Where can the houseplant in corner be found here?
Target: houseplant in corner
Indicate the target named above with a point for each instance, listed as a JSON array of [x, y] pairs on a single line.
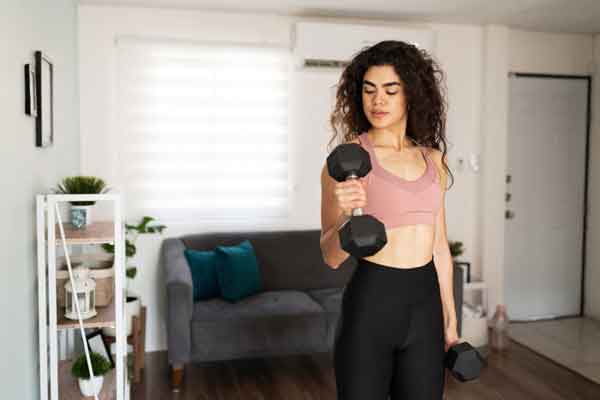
[[132, 232], [79, 369], [81, 210], [456, 248]]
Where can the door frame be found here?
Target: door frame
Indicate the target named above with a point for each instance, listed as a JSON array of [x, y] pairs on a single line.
[[587, 78]]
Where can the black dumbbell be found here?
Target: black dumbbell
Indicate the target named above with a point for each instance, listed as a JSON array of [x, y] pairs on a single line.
[[361, 235], [463, 361]]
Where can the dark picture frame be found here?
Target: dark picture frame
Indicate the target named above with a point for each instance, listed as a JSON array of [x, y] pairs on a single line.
[[30, 91], [97, 343], [44, 88], [466, 267]]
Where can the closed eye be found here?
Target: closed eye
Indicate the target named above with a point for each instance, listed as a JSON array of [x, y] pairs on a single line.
[[372, 91]]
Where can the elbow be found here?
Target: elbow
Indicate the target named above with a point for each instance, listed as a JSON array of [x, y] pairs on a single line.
[[327, 260]]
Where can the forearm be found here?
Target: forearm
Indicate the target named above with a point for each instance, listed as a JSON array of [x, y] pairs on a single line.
[[445, 268], [331, 249]]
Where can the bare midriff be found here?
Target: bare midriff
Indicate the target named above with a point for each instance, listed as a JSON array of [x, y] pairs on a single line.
[[407, 246]]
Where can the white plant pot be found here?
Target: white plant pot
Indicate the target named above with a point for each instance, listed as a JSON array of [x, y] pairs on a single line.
[[131, 308], [92, 386]]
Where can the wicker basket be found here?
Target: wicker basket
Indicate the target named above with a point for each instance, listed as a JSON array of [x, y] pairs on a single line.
[[101, 270]]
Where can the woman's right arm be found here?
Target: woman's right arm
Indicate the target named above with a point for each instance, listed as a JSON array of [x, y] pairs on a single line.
[[338, 200], [332, 217]]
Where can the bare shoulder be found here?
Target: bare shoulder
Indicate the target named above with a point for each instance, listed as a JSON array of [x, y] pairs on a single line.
[[436, 156]]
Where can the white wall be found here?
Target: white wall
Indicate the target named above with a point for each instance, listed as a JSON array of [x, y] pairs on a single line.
[[468, 120], [25, 170], [551, 53], [592, 265]]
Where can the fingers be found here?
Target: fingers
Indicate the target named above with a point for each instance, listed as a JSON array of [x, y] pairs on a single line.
[[350, 194]]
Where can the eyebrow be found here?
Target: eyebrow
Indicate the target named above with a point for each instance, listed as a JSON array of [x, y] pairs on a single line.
[[366, 82]]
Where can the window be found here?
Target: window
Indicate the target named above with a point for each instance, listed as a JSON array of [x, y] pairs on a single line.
[[203, 130]]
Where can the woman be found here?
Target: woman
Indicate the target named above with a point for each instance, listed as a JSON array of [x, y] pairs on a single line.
[[398, 317]]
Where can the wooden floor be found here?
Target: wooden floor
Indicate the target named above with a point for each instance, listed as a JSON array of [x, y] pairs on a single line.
[[519, 374]]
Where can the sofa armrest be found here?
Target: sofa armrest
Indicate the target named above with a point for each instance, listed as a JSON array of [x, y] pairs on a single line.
[[180, 303]]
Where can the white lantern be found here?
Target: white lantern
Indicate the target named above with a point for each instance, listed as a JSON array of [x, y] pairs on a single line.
[[84, 294]]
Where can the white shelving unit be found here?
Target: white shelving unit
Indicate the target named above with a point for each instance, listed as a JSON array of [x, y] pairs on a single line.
[[474, 330], [56, 381]]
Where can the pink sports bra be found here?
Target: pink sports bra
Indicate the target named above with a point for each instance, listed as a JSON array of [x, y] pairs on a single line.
[[396, 201]]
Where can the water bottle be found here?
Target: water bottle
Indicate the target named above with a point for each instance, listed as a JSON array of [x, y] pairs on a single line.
[[499, 323]]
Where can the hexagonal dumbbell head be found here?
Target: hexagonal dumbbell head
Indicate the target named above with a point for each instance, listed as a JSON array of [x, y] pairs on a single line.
[[464, 362], [362, 236], [348, 158]]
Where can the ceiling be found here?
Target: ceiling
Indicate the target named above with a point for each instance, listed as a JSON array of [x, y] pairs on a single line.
[[566, 16]]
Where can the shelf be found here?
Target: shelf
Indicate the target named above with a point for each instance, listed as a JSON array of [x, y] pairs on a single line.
[[474, 286], [104, 318], [69, 386], [95, 233], [99, 259], [55, 374]]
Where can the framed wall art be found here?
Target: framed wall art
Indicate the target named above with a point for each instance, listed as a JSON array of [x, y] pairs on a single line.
[[30, 93], [44, 90]]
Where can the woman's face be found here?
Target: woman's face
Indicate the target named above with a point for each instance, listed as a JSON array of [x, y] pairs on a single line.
[[383, 98]]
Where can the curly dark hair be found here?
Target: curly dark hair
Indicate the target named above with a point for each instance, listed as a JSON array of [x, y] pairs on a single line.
[[422, 80]]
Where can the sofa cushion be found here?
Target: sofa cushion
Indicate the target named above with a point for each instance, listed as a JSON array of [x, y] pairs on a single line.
[[330, 298], [266, 323], [331, 301], [263, 304], [237, 271], [203, 266]]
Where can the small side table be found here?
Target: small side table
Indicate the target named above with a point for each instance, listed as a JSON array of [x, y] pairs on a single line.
[[137, 339]]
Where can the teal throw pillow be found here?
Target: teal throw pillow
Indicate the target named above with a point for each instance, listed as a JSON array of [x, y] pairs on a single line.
[[203, 265], [237, 271]]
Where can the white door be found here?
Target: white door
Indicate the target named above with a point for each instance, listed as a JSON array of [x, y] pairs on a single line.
[[545, 189]]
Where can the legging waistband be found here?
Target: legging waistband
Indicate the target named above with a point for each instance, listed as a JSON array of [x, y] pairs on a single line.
[[411, 270], [407, 284]]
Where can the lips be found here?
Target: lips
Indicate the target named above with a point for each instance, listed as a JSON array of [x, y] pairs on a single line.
[[379, 113]]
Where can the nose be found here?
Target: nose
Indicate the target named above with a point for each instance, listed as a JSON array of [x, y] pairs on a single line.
[[379, 98]]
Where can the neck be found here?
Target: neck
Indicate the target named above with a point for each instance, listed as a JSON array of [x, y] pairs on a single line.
[[391, 137]]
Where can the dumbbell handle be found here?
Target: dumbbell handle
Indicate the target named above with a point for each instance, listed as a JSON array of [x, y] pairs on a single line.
[[357, 210]]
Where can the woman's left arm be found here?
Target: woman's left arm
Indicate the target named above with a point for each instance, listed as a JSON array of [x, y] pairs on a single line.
[[443, 260]]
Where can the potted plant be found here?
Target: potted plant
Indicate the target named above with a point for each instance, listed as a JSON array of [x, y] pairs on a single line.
[[133, 302], [81, 210], [100, 366], [456, 248]]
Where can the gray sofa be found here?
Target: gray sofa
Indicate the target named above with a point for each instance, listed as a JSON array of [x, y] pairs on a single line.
[[295, 313]]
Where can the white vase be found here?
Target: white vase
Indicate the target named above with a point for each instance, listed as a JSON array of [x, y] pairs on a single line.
[[131, 308], [92, 386]]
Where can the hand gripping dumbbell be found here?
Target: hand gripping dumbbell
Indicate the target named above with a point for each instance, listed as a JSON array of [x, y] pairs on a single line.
[[361, 235], [463, 361]]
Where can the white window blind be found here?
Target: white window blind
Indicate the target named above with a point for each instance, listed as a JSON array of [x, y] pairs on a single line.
[[204, 129]]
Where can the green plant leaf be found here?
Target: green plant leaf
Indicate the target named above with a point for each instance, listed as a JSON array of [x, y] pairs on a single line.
[[131, 272], [82, 184], [100, 366], [108, 247]]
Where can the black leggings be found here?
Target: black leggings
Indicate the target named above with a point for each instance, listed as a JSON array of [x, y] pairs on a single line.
[[390, 338]]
